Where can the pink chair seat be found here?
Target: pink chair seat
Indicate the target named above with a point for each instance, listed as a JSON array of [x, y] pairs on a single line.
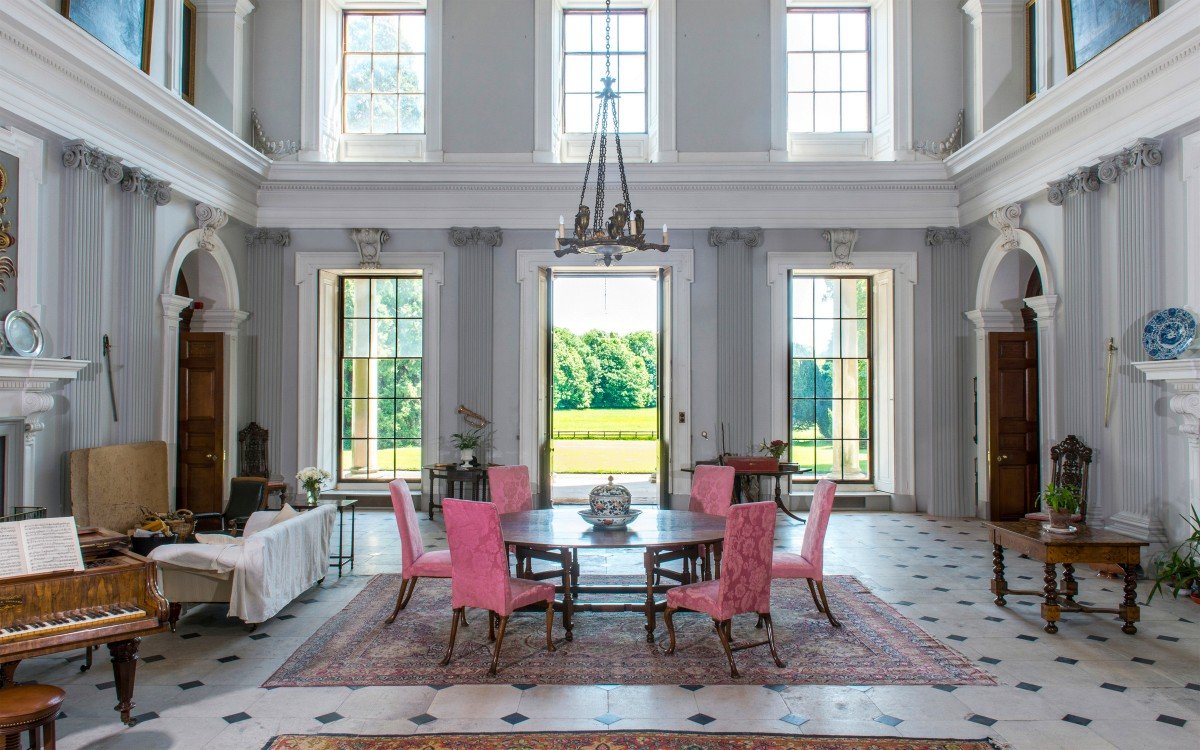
[[434, 564], [700, 597], [526, 592], [791, 565]]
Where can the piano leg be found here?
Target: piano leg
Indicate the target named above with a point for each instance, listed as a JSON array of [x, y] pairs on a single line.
[[7, 671], [124, 661]]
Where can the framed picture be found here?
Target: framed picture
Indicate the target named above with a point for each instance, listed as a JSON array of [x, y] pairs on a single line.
[[1093, 26], [187, 65], [1031, 51], [121, 25]]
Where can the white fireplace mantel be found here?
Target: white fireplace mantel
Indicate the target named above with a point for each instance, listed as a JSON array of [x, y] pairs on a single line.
[[26, 386], [1183, 375]]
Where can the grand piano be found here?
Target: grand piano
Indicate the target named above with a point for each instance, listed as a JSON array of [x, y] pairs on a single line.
[[114, 601]]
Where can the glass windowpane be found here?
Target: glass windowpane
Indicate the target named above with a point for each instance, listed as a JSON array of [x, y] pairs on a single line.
[[827, 71], [412, 32], [800, 71], [853, 27], [828, 51], [828, 108], [825, 31], [386, 33], [799, 31], [411, 75], [358, 33], [383, 113], [854, 113], [412, 113]]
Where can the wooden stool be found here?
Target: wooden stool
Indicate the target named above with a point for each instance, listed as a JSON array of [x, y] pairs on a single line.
[[29, 708]]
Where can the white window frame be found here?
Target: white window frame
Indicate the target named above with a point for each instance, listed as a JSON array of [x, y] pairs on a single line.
[[321, 136], [893, 283], [890, 137], [657, 144]]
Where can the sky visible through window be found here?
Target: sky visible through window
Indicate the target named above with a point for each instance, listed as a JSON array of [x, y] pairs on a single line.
[[619, 304]]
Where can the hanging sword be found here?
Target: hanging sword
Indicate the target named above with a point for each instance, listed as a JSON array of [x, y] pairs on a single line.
[[112, 386], [1108, 370]]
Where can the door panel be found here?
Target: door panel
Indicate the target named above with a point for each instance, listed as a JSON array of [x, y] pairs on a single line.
[[1013, 446], [200, 463], [666, 411]]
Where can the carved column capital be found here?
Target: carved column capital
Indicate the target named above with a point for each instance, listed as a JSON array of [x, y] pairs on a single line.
[[749, 236], [370, 244], [463, 236], [209, 219], [1145, 152], [80, 154], [1082, 180], [841, 244], [267, 236], [141, 182], [938, 236], [1187, 405]]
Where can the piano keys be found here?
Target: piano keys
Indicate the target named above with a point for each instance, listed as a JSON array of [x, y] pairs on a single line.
[[114, 601]]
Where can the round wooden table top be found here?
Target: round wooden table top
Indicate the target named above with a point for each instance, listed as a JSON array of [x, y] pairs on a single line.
[[563, 527]]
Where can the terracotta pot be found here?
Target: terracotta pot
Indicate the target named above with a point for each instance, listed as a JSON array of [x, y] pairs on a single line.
[[1059, 520]]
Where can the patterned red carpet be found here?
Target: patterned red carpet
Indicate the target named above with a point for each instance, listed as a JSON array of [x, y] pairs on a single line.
[[876, 645], [632, 740]]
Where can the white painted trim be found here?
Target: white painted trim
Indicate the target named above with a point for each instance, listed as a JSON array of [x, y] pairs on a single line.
[[530, 268], [985, 322], [227, 317], [228, 322], [31, 154], [995, 256], [1045, 309], [899, 360], [316, 416]]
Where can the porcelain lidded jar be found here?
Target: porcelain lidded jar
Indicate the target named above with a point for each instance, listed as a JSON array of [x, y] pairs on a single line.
[[610, 499]]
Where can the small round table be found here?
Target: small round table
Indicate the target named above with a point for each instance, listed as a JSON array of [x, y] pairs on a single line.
[[562, 529]]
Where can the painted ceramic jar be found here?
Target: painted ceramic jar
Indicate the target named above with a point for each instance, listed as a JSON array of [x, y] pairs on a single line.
[[610, 499]]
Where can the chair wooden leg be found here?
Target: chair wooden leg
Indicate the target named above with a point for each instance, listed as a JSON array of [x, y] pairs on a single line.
[[412, 586], [453, 634], [813, 590], [550, 626], [491, 626], [758, 625], [499, 643], [825, 604], [400, 601], [723, 631], [668, 616], [766, 617]]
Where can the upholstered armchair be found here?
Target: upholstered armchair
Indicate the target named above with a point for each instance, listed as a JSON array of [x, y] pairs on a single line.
[[246, 495]]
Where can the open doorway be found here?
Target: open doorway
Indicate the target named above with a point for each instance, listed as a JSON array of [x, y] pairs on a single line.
[[605, 390]]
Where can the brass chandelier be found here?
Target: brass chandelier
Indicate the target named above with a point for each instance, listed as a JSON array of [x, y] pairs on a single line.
[[624, 231]]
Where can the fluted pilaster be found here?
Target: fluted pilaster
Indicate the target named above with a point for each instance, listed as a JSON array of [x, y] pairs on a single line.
[[475, 275], [953, 347], [735, 332], [265, 329], [1139, 251]]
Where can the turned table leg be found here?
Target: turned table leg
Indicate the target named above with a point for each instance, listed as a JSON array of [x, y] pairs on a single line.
[[1129, 610], [1050, 608], [999, 585], [1069, 587], [648, 561], [569, 582]]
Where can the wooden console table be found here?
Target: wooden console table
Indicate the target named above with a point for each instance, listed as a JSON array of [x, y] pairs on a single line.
[[1085, 546]]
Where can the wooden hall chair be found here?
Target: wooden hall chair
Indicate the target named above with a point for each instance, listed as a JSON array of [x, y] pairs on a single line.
[[1071, 462]]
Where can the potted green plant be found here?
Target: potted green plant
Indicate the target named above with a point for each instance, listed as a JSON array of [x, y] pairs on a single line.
[[1061, 501], [1179, 566], [468, 444]]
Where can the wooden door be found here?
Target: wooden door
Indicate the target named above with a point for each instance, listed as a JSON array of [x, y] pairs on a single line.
[[200, 464], [1013, 450]]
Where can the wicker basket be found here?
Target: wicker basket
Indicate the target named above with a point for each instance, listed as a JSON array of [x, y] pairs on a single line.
[[180, 522]]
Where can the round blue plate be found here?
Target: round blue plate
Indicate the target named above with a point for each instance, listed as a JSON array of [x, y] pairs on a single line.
[[1169, 333]]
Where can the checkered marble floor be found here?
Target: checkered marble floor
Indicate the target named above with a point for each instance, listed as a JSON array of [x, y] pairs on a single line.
[[1089, 687]]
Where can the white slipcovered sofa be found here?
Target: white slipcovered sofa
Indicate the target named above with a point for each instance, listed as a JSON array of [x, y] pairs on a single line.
[[271, 566]]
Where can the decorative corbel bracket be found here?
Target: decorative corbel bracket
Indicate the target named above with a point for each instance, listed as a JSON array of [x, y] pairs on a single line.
[[370, 244], [209, 219], [748, 236], [841, 245], [1007, 220], [463, 236]]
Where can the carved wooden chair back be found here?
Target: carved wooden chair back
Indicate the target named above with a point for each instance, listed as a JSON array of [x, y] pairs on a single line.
[[1072, 459], [252, 451]]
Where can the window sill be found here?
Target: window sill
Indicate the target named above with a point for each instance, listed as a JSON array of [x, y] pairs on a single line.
[[573, 148], [376, 148], [827, 146]]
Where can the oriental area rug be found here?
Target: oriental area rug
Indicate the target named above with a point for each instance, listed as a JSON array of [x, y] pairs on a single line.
[[876, 645], [630, 740]]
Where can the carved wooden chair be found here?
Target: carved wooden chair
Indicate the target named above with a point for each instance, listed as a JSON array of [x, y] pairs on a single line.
[[1072, 460], [252, 459]]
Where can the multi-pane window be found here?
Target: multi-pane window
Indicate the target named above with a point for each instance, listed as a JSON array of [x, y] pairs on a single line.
[[383, 72], [828, 70], [830, 377], [380, 384], [583, 67]]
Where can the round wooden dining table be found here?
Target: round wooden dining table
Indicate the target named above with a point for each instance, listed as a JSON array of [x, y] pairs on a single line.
[[564, 531]]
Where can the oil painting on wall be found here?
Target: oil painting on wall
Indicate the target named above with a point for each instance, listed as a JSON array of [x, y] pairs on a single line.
[[9, 166], [1093, 26], [122, 25]]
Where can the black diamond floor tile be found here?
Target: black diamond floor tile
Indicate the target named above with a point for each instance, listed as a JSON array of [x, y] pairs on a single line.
[[1029, 686], [187, 636], [105, 685], [1168, 638], [981, 719], [514, 718], [927, 618], [1066, 660], [693, 688], [151, 716], [440, 686], [1112, 687], [259, 636], [1025, 637], [1172, 720], [153, 658], [1142, 660], [524, 686], [701, 719], [286, 617], [422, 719], [946, 688], [1072, 718], [989, 660], [608, 719], [776, 688], [795, 720], [190, 684], [329, 718], [235, 718], [891, 721], [227, 659], [957, 637]]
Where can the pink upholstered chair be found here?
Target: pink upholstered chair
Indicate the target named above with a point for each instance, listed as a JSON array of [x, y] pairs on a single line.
[[416, 562], [480, 574], [510, 488], [744, 585], [809, 564], [712, 493]]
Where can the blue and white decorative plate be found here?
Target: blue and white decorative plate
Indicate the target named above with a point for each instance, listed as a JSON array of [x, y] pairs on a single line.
[[1169, 333]]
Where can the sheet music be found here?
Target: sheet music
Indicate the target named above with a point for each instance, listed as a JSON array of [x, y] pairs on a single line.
[[52, 544], [11, 560]]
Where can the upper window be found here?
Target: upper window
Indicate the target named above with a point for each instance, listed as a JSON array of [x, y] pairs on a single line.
[[828, 70], [383, 72], [583, 48], [830, 376], [379, 386]]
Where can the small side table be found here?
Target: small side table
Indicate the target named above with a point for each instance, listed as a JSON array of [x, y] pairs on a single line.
[[341, 559], [1085, 546], [455, 480]]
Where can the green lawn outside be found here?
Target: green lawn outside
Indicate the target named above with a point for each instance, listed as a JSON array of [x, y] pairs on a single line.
[[605, 419], [605, 456], [407, 459]]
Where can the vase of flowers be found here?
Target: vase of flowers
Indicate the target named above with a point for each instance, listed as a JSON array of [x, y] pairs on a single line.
[[1061, 501], [312, 480]]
